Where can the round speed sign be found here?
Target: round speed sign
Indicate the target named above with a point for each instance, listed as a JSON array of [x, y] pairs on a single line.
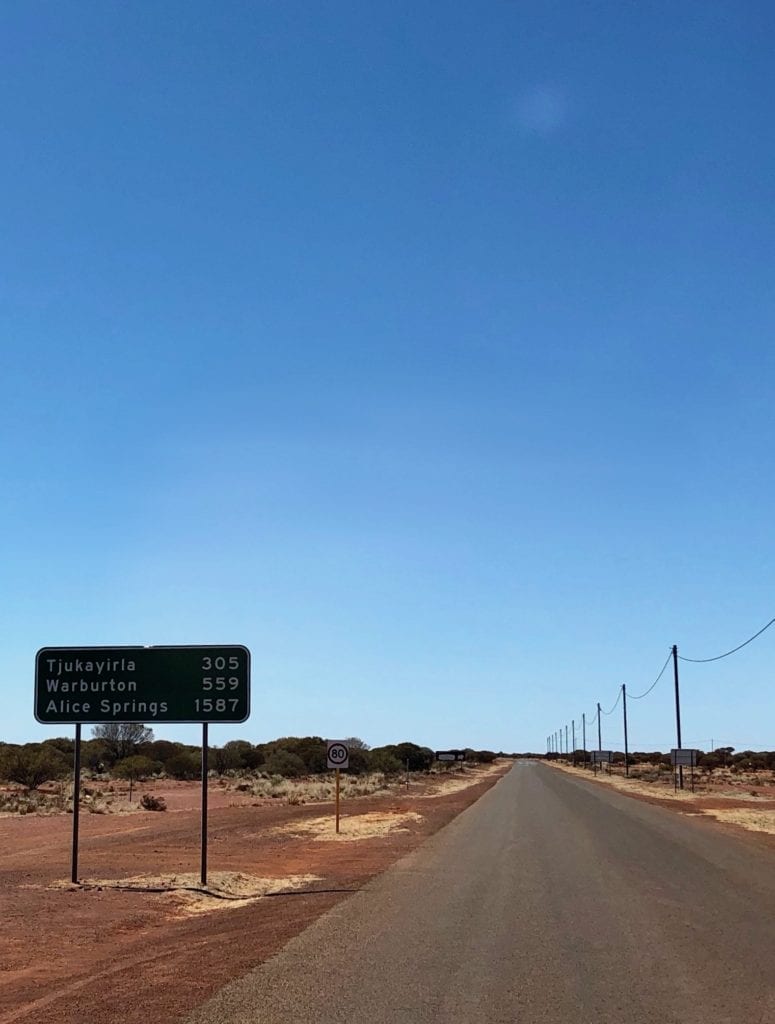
[[338, 756]]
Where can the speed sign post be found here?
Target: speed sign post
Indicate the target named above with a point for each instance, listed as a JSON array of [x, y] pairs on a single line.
[[337, 757], [103, 685]]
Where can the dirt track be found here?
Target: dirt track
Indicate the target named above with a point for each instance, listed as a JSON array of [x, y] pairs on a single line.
[[99, 954]]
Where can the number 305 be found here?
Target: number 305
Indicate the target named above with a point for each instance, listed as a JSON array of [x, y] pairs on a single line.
[[220, 663]]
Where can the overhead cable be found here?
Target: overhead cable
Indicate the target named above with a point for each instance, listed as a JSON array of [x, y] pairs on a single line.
[[640, 696], [726, 654], [615, 703]]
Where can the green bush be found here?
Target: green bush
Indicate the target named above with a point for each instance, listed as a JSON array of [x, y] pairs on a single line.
[[183, 766], [136, 767], [283, 762], [33, 764], [385, 762], [485, 756]]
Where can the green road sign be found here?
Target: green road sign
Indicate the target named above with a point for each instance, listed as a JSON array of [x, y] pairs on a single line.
[[142, 684]]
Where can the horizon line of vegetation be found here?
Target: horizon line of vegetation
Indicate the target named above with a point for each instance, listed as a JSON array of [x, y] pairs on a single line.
[[130, 751]]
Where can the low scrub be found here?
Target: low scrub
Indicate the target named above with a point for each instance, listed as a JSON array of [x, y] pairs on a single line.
[[310, 790]]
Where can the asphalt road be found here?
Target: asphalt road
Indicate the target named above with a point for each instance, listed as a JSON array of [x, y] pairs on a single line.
[[549, 900]]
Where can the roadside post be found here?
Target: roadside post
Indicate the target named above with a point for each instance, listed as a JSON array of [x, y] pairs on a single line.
[[203, 851], [602, 757], [337, 757], [104, 685], [573, 727], [626, 742], [599, 727], [584, 735], [680, 758], [76, 803], [677, 713]]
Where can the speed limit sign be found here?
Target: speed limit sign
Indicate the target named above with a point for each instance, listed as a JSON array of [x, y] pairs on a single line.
[[337, 754]]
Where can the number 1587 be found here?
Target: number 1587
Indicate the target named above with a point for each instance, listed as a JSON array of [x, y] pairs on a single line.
[[216, 704]]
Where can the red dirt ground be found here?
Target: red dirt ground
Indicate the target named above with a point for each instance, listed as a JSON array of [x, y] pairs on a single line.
[[100, 955]]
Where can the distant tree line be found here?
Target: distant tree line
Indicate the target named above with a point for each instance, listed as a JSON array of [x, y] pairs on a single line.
[[721, 757], [129, 751]]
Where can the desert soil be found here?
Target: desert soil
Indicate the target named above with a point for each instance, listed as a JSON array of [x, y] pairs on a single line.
[[139, 942]]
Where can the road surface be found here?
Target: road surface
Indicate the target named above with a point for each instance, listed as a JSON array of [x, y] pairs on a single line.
[[552, 899]]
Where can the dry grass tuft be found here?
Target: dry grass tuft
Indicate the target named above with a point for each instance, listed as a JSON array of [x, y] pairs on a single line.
[[311, 790], [225, 890], [754, 821], [351, 827]]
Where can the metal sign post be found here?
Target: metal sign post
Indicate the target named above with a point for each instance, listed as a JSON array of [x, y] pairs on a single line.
[[76, 802], [337, 757], [602, 757], [680, 758], [203, 858]]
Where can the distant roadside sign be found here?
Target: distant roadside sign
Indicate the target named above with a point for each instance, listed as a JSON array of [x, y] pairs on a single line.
[[450, 755], [683, 757], [142, 684], [601, 756], [337, 754]]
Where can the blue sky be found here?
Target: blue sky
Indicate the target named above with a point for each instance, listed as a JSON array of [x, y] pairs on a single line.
[[426, 349]]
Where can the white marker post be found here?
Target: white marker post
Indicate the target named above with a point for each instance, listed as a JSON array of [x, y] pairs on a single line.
[[337, 757]]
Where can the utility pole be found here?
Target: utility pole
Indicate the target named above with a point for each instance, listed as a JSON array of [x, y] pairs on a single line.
[[626, 748], [566, 741], [677, 713], [573, 728], [584, 735], [599, 734]]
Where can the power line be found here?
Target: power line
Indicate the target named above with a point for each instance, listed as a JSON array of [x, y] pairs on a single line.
[[616, 702], [640, 696], [718, 657]]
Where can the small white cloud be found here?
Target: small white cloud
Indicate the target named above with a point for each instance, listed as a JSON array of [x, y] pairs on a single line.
[[541, 110]]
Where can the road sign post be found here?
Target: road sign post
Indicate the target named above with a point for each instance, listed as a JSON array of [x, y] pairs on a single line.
[[104, 685], [76, 803], [203, 854], [601, 757], [680, 758], [337, 757]]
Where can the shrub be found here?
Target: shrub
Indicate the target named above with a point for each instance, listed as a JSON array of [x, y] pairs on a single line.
[[485, 756], [136, 767], [183, 766], [33, 764], [385, 762], [283, 762]]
